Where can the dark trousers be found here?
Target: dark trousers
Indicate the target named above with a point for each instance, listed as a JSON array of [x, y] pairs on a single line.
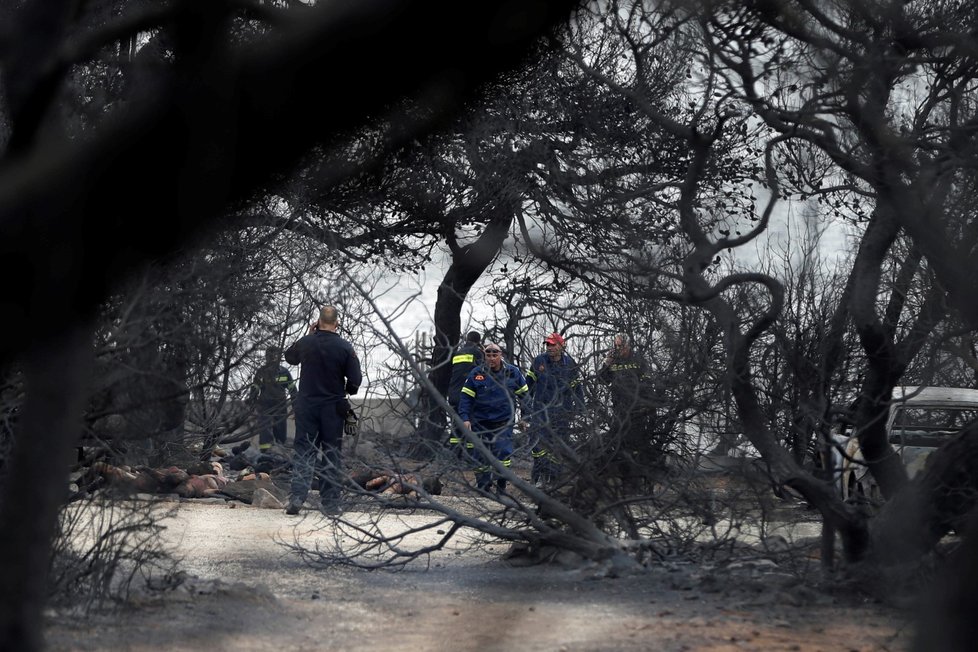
[[456, 439], [640, 450], [272, 425], [550, 428], [498, 437], [317, 450]]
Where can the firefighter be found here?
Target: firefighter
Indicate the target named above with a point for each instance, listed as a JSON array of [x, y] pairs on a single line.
[[633, 401], [466, 357], [556, 395], [270, 390], [491, 394]]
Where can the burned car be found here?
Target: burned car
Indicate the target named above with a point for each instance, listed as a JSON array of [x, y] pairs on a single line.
[[919, 421]]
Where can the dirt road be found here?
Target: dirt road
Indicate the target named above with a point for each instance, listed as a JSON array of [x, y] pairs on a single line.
[[245, 591]]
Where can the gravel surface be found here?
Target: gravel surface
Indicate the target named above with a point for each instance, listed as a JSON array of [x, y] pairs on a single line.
[[246, 589]]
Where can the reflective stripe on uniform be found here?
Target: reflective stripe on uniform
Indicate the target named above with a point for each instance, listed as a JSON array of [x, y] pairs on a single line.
[[522, 390], [486, 468], [530, 374], [544, 453], [464, 357], [469, 391], [623, 366]]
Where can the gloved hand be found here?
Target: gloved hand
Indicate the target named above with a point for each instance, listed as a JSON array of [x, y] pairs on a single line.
[[351, 423]]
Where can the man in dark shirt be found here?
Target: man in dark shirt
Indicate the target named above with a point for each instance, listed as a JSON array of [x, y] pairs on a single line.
[[329, 371]]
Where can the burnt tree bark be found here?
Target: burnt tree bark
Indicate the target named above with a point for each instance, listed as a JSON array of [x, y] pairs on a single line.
[[469, 262], [57, 378], [946, 618], [887, 356]]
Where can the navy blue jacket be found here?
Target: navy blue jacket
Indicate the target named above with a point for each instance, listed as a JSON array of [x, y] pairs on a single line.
[[489, 396], [330, 367], [555, 385]]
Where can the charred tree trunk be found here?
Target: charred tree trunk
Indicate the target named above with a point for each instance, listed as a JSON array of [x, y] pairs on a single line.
[[883, 371], [44, 446], [468, 264], [947, 619], [886, 358], [783, 469], [738, 340]]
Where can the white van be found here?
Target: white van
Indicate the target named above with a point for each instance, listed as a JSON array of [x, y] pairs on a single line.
[[919, 421]]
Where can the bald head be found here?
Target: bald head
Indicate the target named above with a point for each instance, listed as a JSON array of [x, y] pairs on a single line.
[[329, 315], [329, 318]]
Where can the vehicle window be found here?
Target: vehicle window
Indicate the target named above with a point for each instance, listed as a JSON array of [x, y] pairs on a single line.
[[932, 419]]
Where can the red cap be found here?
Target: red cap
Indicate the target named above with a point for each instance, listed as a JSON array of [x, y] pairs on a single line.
[[554, 338]]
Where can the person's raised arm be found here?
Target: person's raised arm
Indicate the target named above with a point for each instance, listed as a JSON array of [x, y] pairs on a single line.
[[293, 354]]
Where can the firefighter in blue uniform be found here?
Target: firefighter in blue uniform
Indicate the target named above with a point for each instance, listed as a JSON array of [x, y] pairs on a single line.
[[556, 395], [491, 394], [270, 390], [466, 357]]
